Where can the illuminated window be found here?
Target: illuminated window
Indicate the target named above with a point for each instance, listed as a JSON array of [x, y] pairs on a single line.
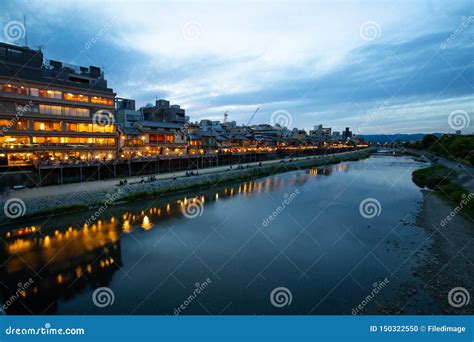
[[103, 128], [20, 125], [51, 110], [15, 89], [47, 126], [59, 110], [102, 100], [16, 141], [75, 97], [51, 94]]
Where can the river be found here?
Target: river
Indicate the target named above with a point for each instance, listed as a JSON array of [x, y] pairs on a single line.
[[313, 241]]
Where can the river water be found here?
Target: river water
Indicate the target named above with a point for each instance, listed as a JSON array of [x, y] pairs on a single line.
[[293, 243]]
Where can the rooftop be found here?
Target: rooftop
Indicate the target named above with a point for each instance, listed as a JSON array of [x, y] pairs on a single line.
[[28, 64]]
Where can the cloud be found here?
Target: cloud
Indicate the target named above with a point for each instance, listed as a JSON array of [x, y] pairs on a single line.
[[305, 57]]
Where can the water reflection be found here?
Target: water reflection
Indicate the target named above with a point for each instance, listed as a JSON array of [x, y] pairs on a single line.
[[65, 260]]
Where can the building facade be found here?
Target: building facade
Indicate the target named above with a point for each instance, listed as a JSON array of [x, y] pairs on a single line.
[[164, 112], [147, 135], [51, 112]]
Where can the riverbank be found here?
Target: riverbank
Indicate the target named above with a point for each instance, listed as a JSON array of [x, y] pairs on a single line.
[[444, 182], [445, 258], [75, 197], [443, 261], [450, 255]]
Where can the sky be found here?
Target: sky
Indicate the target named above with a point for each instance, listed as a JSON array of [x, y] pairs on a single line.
[[379, 67]]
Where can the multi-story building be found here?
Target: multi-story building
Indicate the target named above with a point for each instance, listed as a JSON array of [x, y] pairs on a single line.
[[51, 112], [147, 135], [320, 133], [164, 112], [347, 134]]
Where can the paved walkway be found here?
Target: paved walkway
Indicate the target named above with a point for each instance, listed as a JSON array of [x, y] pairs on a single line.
[[465, 173], [67, 189]]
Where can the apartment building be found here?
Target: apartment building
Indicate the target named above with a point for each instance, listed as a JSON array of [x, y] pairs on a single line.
[[52, 112]]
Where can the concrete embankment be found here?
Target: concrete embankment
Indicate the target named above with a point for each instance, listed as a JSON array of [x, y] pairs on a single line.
[[73, 197]]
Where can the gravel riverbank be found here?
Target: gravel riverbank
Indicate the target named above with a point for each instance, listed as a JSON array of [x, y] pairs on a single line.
[[450, 260]]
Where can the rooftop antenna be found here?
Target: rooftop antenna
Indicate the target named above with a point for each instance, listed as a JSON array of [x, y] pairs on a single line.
[[24, 24]]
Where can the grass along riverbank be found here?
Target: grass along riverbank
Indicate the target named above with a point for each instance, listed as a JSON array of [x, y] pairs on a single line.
[[440, 179], [56, 205]]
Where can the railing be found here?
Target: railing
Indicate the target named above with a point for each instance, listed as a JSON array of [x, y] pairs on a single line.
[[74, 68]]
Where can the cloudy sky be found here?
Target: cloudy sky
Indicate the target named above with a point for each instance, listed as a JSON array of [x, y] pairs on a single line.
[[378, 67]]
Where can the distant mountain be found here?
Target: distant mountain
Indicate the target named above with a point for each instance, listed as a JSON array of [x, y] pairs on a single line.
[[386, 138]]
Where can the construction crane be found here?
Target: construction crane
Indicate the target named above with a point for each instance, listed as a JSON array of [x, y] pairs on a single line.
[[226, 114], [253, 115]]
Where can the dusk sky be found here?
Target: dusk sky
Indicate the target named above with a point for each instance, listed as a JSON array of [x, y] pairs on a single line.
[[399, 67]]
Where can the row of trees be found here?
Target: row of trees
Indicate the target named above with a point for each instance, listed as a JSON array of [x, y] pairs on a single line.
[[460, 147]]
